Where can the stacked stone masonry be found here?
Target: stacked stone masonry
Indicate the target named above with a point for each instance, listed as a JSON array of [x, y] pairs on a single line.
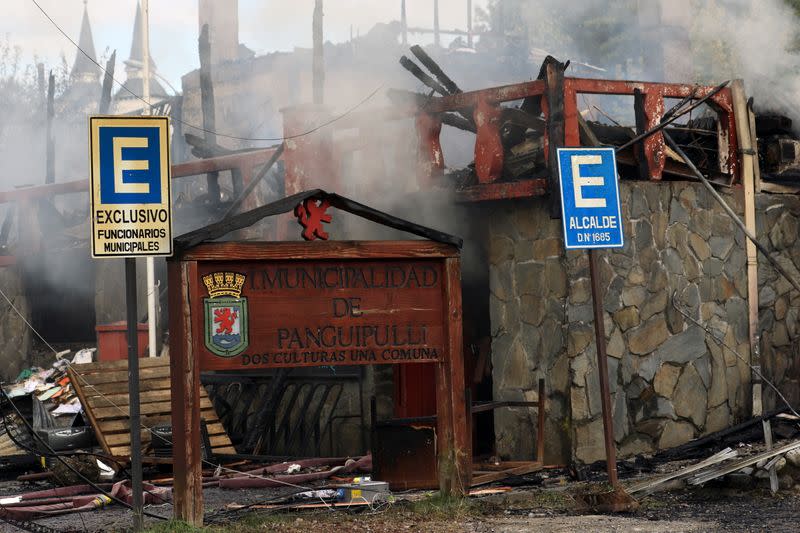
[[669, 380]]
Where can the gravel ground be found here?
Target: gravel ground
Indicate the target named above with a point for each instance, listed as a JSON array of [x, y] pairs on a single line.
[[522, 510], [710, 509]]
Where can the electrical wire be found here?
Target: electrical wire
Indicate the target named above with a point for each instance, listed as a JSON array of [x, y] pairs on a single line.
[[73, 453], [65, 463], [722, 343], [189, 125], [88, 385]]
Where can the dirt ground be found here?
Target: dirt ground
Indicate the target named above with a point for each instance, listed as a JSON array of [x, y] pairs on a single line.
[[523, 510]]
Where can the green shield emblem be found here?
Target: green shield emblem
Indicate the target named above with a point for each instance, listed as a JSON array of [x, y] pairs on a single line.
[[226, 325]]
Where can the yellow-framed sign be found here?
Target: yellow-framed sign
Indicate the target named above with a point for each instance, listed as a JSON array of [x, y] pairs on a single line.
[[131, 207]]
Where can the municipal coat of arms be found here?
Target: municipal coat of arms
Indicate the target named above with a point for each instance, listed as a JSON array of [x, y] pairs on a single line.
[[225, 314]]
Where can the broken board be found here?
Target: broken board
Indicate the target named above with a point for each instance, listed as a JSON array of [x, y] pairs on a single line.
[[103, 390]]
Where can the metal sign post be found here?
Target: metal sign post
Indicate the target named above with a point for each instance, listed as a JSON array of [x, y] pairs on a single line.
[[133, 392], [592, 219], [131, 213]]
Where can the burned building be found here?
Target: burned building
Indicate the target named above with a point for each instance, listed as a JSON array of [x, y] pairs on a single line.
[[527, 300]]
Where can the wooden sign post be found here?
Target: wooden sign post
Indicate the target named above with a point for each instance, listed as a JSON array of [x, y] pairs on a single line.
[[250, 306]]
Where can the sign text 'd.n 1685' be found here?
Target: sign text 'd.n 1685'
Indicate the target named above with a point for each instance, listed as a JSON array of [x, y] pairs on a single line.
[[130, 186], [590, 198]]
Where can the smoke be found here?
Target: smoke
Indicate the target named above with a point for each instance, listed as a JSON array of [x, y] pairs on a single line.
[[681, 41]]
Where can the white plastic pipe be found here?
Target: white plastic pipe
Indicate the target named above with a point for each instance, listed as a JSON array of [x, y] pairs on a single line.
[[151, 273]]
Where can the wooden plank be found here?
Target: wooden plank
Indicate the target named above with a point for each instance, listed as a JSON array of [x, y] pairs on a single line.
[[122, 376], [533, 466], [111, 388], [738, 465], [107, 407], [117, 426], [150, 398], [79, 390], [254, 251], [227, 449], [146, 409], [650, 485], [87, 369]]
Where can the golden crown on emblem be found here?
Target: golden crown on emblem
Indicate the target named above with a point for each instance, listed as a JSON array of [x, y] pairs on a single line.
[[224, 284]]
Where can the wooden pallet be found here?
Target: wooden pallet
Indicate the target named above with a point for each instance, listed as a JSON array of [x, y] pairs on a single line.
[[103, 390]]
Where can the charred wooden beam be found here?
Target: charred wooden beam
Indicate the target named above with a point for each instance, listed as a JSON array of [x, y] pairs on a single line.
[[108, 84], [255, 181], [50, 157], [428, 62], [207, 105], [422, 76], [554, 77], [451, 119], [525, 120]]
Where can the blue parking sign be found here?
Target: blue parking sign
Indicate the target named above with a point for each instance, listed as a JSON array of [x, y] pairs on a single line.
[[590, 204]]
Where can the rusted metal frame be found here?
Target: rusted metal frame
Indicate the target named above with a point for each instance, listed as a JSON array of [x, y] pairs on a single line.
[[185, 376]]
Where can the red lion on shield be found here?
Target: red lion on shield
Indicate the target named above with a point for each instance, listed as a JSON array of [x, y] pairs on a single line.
[[226, 318]]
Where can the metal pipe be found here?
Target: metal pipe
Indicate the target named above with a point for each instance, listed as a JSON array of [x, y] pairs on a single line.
[[133, 392], [150, 262], [602, 368]]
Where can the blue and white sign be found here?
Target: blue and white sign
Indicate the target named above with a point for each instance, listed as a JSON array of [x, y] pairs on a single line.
[[130, 186], [590, 198]]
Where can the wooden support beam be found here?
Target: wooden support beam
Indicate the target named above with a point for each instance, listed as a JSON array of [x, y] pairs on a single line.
[[207, 106], [108, 84], [50, 157]]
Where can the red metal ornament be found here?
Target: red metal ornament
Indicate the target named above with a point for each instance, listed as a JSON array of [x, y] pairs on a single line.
[[311, 214]]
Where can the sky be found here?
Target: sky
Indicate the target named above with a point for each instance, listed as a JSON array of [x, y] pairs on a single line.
[[264, 26]]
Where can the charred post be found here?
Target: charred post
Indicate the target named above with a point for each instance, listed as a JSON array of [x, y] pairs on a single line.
[[207, 105], [50, 158], [108, 84]]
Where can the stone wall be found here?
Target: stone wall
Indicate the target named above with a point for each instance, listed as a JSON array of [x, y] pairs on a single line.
[[670, 382], [778, 222]]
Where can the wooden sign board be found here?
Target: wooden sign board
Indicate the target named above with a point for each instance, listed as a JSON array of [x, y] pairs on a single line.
[[250, 306], [266, 314]]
